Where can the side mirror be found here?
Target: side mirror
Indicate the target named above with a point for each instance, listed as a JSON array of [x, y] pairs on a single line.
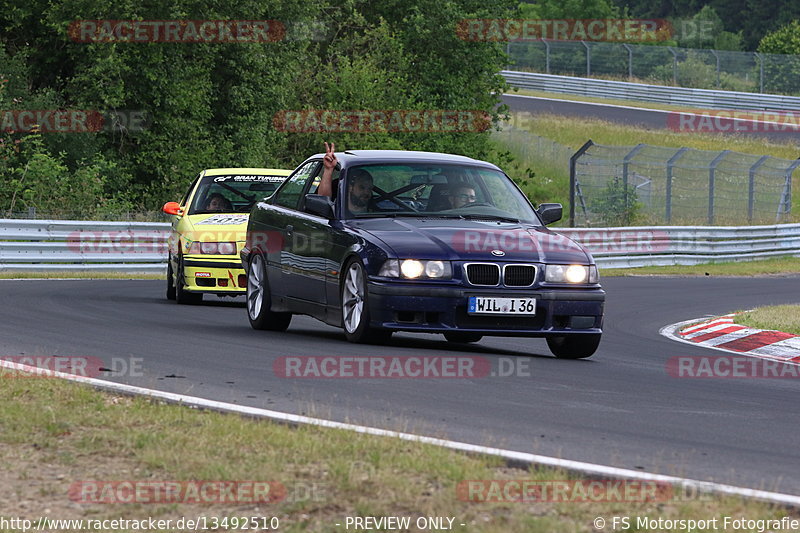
[[172, 208], [319, 204], [550, 213]]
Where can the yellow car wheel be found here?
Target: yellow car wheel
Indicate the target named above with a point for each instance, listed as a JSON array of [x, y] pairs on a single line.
[[182, 296]]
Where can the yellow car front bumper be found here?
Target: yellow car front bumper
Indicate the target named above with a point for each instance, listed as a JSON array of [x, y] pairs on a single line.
[[221, 274]]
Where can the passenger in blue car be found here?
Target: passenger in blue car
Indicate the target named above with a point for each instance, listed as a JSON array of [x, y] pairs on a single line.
[[461, 196]]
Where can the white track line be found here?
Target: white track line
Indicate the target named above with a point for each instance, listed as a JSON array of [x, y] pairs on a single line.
[[510, 455]]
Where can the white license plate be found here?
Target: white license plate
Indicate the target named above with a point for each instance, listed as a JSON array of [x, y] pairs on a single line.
[[485, 305]]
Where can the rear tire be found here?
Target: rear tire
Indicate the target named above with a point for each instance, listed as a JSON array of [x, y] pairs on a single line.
[[355, 307], [259, 299], [574, 346], [182, 296], [462, 336]]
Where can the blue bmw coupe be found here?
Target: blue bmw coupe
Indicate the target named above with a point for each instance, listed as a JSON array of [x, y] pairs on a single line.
[[421, 242]]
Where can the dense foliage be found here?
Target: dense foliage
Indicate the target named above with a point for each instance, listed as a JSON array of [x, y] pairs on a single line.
[[212, 104], [752, 19]]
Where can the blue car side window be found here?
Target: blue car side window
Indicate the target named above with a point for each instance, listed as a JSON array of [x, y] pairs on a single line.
[[292, 190]]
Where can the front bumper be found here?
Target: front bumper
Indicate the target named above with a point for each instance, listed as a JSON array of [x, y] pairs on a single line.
[[214, 275], [444, 309]]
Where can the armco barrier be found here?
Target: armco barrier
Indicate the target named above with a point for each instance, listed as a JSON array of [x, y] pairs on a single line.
[[629, 247], [60, 245], [680, 96], [86, 246]]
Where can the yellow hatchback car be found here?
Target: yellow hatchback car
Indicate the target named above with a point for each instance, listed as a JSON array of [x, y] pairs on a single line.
[[208, 231]]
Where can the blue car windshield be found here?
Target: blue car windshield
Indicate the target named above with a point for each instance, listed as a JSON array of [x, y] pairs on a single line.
[[425, 190]]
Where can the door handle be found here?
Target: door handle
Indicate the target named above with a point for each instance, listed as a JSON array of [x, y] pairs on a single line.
[[289, 230]]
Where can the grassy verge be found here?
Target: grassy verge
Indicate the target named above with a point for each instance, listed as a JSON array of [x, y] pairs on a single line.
[[784, 318], [776, 266], [56, 434], [574, 132], [596, 100]]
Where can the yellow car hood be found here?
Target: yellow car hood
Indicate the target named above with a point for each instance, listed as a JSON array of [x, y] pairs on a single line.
[[217, 227]]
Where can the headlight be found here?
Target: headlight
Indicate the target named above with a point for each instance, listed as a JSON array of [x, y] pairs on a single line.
[[573, 274], [416, 269], [213, 248]]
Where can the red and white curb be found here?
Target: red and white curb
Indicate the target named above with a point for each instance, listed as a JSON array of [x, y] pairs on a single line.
[[721, 333]]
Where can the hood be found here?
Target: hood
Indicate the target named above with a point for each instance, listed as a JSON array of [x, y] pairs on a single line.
[[472, 240], [217, 227]]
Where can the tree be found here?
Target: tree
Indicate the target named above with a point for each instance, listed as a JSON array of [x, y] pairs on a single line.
[[782, 72]]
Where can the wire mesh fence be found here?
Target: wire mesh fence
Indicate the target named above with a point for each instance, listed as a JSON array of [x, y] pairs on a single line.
[[665, 65], [644, 184], [533, 148]]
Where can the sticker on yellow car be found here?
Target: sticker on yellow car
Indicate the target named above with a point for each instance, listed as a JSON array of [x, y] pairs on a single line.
[[267, 179], [224, 220]]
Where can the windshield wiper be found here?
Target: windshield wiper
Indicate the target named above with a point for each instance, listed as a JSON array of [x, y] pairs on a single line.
[[392, 214], [474, 216]]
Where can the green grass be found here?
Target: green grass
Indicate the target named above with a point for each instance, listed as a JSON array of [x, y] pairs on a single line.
[[56, 433], [574, 132], [776, 266], [784, 318], [596, 100]]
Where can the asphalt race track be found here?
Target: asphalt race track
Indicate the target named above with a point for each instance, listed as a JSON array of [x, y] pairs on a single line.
[[619, 408]]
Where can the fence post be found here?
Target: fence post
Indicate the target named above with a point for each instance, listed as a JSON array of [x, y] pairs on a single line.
[[630, 60], [751, 187], [712, 169], [786, 198], [670, 164], [716, 56], [760, 72], [674, 65], [546, 55], [588, 59], [572, 161], [625, 161]]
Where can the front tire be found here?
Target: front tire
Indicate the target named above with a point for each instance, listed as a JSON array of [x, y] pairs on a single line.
[[355, 307], [574, 346], [259, 299], [170, 280], [182, 296]]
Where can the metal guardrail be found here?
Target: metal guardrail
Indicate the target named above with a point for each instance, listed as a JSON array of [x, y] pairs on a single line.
[[629, 247], [680, 96], [92, 246], [82, 246]]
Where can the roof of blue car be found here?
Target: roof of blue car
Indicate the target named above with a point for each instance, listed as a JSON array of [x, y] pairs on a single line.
[[351, 157]]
